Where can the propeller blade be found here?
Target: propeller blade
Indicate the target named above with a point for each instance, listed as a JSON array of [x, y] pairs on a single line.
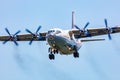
[[86, 25], [34, 35], [77, 27], [29, 31], [7, 31], [106, 24], [17, 33], [109, 36], [16, 43], [38, 29], [31, 41], [11, 37], [6, 41]]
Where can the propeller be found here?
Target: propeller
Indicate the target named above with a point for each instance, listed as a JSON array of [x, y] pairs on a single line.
[[84, 29], [107, 28], [12, 37], [34, 35], [86, 26]]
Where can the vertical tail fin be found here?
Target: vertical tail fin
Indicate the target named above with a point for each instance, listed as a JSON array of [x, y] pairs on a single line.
[[73, 22]]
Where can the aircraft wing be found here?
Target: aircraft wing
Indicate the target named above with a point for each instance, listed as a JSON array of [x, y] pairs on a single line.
[[94, 32], [24, 37]]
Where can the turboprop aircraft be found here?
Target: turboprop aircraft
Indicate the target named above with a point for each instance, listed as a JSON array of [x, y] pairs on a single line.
[[64, 42]]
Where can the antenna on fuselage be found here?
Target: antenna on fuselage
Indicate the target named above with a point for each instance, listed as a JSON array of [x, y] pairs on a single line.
[[73, 21]]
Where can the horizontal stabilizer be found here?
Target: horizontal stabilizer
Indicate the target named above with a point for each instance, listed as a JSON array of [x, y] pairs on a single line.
[[88, 40]]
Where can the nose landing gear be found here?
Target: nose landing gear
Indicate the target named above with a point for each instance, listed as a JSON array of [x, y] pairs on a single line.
[[51, 56], [52, 51]]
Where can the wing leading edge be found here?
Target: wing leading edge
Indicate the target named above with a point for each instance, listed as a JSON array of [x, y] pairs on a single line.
[[77, 33], [24, 37], [95, 32]]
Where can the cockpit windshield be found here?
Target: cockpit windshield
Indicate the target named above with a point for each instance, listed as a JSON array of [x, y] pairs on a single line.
[[55, 31], [51, 31]]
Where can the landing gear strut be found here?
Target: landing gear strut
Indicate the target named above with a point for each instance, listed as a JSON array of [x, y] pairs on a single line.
[[75, 54]]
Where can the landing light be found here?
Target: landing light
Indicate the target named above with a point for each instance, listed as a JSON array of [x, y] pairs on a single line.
[[70, 49], [53, 45]]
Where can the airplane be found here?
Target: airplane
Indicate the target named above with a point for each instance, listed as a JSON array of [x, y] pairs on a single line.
[[64, 42]]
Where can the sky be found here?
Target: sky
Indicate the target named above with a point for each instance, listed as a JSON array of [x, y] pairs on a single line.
[[98, 60]]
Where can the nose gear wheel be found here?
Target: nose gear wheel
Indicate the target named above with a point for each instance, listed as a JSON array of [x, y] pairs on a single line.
[[51, 56], [52, 52]]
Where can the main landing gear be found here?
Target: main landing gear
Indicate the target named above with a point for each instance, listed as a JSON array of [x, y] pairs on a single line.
[[75, 54], [52, 51]]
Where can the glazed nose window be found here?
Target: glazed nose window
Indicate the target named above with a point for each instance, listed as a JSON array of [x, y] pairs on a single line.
[[51, 37]]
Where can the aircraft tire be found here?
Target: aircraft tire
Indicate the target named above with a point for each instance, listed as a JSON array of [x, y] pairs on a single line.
[[51, 56], [76, 54]]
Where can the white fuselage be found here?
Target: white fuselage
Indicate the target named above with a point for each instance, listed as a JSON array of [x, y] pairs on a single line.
[[62, 42]]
